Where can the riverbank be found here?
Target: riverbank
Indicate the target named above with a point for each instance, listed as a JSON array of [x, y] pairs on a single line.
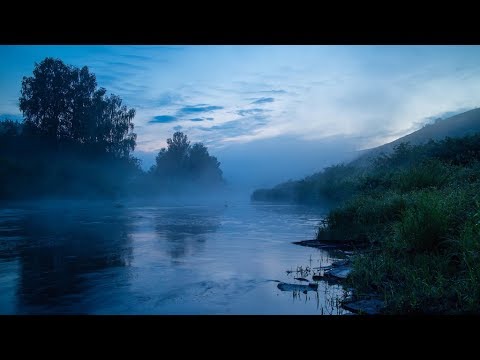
[[339, 272], [423, 248], [413, 221]]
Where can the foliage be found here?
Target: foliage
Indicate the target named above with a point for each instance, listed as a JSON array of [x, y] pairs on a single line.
[[182, 164], [74, 139], [62, 103], [417, 210]]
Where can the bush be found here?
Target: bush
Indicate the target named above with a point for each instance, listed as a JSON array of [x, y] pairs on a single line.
[[424, 224]]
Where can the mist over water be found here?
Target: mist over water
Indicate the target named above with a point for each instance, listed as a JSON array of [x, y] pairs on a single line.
[[138, 179], [131, 258]]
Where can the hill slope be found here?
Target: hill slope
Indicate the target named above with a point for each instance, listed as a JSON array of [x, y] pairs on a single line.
[[339, 181], [460, 125]]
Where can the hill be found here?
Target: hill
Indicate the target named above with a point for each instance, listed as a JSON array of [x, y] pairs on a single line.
[[459, 125], [338, 182]]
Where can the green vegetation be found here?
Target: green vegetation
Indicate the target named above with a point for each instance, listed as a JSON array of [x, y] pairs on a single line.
[[76, 140], [416, 213]]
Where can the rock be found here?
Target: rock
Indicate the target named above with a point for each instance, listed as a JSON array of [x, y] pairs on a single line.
[[365, 307], [297, 287], [340, 263], [317, 277], [313, 286], [323, 245], [339, 272], [332, 245], [301, 279]]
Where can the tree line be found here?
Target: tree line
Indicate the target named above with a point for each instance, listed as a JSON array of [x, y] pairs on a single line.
[[75, 138]]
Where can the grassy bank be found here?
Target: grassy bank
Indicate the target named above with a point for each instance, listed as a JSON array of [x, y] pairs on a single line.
[[418, 212]]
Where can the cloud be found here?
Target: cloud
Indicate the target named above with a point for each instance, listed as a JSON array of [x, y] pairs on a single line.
[[169, 98], [137, 57], [129, 66], [443, 115], [235, 128], [195, 109], [250, 111], [229, 125], [273, 92], [162, 119], [264, 100], [202, 119]]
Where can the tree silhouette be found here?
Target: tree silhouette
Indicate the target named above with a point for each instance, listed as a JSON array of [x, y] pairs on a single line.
[[74, 139], [202, 166], [62, 103], [182, 162]]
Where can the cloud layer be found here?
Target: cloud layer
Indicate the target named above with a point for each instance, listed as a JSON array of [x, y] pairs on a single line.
[[228, 96]]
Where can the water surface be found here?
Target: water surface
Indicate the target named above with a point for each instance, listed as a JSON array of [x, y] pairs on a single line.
[[138, 259]]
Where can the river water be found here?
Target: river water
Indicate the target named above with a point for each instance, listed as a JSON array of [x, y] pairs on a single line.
[[80, 258]]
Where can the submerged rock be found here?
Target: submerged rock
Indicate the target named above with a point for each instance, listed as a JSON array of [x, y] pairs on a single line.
[[365, 307], [340, 263], [324, 245], [339, 272], [297, 287]]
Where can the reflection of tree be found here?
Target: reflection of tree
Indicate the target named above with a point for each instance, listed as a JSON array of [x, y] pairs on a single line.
[[59, 248], [185, 229]]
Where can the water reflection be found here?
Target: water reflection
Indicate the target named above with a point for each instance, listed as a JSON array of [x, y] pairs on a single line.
[[159, 260], [186, 229], [57, 248], [307, 283]]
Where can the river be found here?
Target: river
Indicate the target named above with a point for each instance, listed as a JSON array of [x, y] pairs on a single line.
[[98, 258]]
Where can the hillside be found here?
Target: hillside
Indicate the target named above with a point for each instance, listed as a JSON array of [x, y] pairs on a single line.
[[463, 124], [338, 182]]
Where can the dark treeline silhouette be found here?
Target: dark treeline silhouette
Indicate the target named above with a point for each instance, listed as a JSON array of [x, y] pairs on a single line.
[[181, 166], [75, 140], [340, 182]]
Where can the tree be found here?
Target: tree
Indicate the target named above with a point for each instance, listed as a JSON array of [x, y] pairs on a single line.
[[10, 128], [202, 166], [178, 144], [177, 153], [62, 103], [183, 162]]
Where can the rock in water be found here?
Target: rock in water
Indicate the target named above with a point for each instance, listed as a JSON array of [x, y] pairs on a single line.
[[340, 272], [365, 307], [297, 287]]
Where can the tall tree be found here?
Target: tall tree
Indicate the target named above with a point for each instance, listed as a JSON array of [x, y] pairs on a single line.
[[62, 103]]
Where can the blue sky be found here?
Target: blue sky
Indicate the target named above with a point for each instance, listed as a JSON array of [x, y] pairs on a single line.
[[235, 99]]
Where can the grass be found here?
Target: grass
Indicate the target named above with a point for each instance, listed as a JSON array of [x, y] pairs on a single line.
[[418, 212]]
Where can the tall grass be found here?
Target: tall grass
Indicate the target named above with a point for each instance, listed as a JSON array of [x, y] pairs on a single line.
[[419, 211]]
